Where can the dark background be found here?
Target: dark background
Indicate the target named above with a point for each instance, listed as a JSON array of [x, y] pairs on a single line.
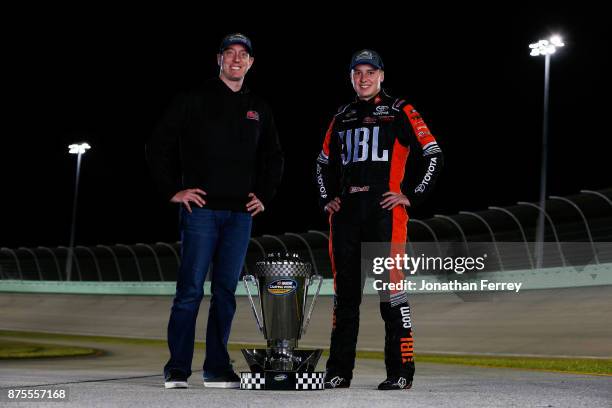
[[106, 78]]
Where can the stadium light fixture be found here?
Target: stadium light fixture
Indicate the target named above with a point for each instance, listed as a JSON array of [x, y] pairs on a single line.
[[545, 48], [79, 149]]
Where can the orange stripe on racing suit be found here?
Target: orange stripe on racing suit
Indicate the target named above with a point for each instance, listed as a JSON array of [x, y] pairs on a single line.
[[328, 137], [398, 165], [333, 264], [399, 231], [421, 131], [431, 152]]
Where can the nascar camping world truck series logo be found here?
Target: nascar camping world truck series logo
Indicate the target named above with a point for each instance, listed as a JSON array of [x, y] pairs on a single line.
[[281, 287]]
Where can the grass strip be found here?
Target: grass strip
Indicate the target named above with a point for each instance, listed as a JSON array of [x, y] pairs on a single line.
[[590, 366], [10, 350]]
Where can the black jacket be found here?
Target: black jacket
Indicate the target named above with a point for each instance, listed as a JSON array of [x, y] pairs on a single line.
[[220, 141]]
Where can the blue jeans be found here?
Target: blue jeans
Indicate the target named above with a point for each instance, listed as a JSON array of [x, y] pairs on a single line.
[[220, 238]]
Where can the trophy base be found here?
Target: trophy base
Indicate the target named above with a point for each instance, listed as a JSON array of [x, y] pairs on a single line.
[[269, 374], [282, 380]]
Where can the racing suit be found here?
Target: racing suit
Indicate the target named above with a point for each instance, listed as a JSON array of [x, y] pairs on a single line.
[[364, 155]]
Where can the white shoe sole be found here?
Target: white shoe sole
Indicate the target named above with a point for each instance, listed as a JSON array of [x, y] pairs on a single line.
[[176, 384], [216, 384]]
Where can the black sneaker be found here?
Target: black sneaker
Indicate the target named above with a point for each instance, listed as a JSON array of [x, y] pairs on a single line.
[[336, 382], [175, 380], [395, 383], [228, 380]]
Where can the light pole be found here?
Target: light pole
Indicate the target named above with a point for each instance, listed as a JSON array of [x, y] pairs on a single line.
[[545, 48], [79, 149]]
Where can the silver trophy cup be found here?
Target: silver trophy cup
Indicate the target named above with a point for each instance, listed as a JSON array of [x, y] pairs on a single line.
[[282, 283]]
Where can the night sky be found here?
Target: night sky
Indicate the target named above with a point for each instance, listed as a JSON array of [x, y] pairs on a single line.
[[107, 80]]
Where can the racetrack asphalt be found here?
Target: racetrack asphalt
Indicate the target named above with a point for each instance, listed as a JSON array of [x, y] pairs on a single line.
[[553, 322], [130, 375], [571, 322]]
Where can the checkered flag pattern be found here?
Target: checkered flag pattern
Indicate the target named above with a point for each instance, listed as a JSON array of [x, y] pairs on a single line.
[[252, 381], [309, 381], [281, 269]]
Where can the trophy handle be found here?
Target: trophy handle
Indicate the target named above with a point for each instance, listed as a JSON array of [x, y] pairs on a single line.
[[245, 280], [312, 303]]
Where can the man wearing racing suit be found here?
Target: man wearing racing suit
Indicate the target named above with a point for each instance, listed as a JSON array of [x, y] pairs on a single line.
[[359, 174]]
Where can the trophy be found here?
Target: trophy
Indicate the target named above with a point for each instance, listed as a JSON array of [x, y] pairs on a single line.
[[282, 282]]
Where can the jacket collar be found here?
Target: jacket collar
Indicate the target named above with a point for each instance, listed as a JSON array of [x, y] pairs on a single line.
[[217, 84]]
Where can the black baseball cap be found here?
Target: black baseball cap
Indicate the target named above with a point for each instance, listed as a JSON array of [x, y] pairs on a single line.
[[236, 38], [367, 57]]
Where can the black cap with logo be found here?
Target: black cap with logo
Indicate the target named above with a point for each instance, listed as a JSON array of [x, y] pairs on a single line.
[[367, 57], [236, 38]]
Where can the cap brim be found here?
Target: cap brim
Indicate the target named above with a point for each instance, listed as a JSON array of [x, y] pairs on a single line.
[[366, 62], [246, 46]]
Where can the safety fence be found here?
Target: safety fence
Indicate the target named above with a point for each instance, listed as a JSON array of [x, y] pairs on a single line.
[[577, 230]]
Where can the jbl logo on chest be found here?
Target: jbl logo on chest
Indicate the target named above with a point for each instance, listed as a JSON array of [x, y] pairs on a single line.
[[361, 144]]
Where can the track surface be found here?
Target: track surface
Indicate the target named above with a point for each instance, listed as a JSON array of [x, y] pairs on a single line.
[[572, 322], [534, 322], [130, 376]]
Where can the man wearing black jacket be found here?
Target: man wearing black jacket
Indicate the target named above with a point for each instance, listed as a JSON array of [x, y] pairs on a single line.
[[360, 173], [216, 153]]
